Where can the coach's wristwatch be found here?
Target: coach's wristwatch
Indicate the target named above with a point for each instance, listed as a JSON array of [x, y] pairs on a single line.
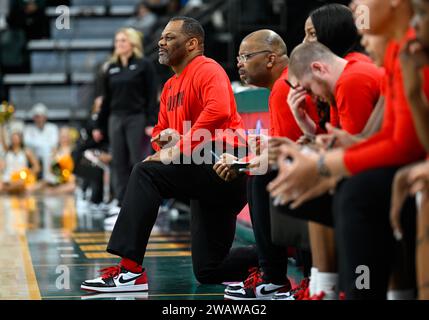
[[322, 168]]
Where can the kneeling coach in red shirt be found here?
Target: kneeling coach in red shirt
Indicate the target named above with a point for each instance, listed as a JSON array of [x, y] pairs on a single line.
[[198, 93]]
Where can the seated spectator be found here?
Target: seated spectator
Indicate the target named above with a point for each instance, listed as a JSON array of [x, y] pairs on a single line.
[[20, 165], [41, 137], [91, 171], [163, 7], [62, 179], [143, 20], [30, 16], [16, 58]]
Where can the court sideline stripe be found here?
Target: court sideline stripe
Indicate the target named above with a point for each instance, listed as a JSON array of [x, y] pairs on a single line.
[[33, 287]]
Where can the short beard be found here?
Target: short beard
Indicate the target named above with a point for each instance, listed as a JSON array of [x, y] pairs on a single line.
[[330, 98], [164, 60], [176, 55]]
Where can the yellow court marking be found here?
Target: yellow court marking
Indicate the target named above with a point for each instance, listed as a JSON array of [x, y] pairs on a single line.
[[150, 246], [101, 240], [90, 240], [107, 234], [90, 234], [167, 245], [94, 247], [105, 255], [33, 288], [17, 278]]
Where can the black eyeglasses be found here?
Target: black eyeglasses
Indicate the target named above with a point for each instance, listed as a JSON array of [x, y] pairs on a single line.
[[290, 84], [244, 57]]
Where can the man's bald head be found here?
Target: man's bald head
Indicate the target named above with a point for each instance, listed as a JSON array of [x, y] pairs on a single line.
[[267, 39], [305, 54], [262, 58]]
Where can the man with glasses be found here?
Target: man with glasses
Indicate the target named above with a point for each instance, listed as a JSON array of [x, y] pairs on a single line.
[[242, 58], [268, 68], [199, 92], [263, 62]]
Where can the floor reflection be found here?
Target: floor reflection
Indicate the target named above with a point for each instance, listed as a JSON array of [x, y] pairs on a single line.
[[62, 242]]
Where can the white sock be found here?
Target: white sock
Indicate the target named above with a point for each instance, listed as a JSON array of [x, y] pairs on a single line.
[[328, 283], [419, 197], [406, 294], [313, 280]]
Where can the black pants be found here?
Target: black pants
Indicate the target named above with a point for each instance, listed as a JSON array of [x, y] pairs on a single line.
[[359, 212], [272, 258], [214, 207], [125, 136]]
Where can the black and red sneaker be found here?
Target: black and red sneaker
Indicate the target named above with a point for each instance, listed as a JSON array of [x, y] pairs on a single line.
[[117, 279], [255, 288]]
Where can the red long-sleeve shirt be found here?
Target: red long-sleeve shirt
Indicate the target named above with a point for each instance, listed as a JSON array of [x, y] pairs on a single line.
[[397, 142], [201, 94], [282, 120], [356, 93]]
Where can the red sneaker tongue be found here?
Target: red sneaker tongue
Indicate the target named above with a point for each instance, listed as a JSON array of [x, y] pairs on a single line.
[[110, 272]]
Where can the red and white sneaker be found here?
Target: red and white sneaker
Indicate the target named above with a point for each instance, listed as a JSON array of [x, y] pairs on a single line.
[[117, 279], [255, 288]]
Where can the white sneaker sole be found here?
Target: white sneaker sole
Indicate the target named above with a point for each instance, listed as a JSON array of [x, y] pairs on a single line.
[[138, 287], [282, 299], [228, 297], [227, 291], [117, 296]]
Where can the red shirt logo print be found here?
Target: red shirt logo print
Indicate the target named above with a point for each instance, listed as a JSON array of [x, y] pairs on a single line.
[[175, 101]]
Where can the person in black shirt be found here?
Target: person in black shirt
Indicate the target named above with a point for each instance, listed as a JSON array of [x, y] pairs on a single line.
[[129, 108]]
